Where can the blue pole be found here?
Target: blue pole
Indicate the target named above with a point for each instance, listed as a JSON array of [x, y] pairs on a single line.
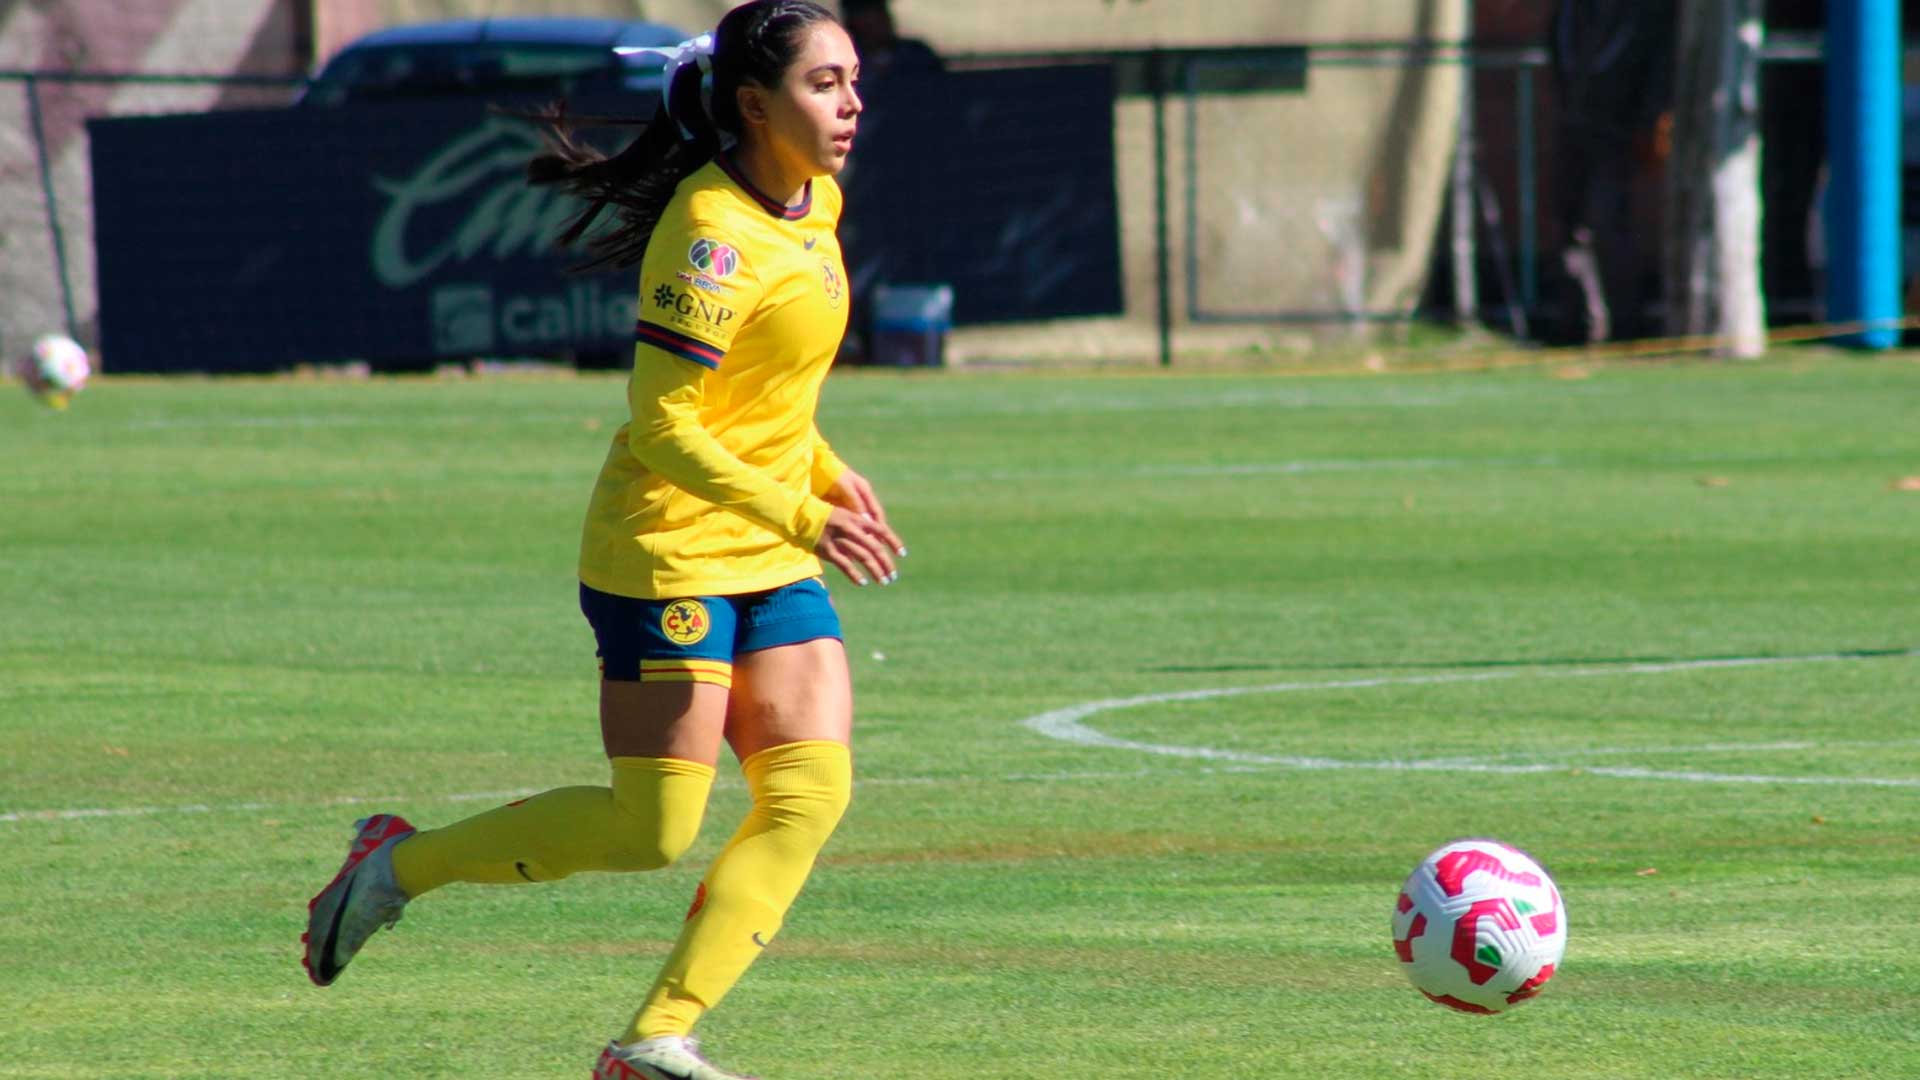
[[1862, 209]]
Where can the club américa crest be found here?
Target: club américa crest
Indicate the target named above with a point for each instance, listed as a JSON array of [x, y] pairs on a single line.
[[830, 279], [685, 622]]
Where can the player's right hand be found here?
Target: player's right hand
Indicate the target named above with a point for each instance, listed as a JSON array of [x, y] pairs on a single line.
[[860, 546]]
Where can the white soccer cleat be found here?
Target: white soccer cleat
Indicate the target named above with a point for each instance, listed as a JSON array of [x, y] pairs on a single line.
[[361, 899], [666, 1057]]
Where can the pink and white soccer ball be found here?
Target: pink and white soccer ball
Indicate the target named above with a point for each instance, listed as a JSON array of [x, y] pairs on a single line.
[[60, 364], [1479, 926]]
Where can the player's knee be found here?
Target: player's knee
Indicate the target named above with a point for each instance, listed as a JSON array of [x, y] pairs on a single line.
[[809, 818], [651, 845], [804, 788], [833, 803], [657, 807], [635, 854]]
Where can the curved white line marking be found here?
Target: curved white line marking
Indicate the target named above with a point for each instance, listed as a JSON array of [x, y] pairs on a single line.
[[1068, 725]]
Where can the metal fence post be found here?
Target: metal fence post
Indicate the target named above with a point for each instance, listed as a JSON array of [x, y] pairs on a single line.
[[1862, 213], [1466, 294], [1529, 203], [1189, 80], [1162, 253], [53, 205]]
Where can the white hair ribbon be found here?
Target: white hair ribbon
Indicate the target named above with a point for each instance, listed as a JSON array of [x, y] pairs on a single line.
[[697, 50]]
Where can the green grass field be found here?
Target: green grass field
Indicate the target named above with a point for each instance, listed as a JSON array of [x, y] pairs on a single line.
[[235, 615]]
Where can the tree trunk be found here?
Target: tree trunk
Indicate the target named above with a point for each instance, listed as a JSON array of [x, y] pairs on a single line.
[[1712, 281]]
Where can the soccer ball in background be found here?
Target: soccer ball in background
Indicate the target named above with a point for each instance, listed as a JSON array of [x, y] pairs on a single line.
[[57, 370], [1479, 926]]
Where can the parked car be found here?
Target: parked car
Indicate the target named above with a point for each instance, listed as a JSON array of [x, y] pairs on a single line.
[[527, 58], [524, 61]]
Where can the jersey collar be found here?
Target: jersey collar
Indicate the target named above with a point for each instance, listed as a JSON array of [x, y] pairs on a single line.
[[770, 205]]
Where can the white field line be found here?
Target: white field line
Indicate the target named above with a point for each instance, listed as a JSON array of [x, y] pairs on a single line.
[[1291, 467], [1068, 725], [245, 807], [1064, 405], [305, 421], [1148, 470], [261, 806]]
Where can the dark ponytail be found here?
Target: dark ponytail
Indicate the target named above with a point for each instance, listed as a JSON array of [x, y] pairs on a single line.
[[755, 43]]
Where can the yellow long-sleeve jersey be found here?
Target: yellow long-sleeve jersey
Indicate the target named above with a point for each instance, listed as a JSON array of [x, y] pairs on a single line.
[[713, 486]]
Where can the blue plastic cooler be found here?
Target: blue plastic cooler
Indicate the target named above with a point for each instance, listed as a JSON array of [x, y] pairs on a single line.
[[910, 324]]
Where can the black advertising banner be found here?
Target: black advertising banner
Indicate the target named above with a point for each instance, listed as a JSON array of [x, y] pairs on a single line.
[[251, 241], [998, 182]]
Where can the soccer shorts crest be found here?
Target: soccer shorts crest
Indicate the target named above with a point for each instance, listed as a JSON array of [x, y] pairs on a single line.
[[695, 638]]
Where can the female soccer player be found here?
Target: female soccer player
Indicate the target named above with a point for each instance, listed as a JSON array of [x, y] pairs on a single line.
[[702, 549]]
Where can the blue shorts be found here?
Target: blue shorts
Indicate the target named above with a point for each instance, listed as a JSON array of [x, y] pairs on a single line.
[[695, 638]]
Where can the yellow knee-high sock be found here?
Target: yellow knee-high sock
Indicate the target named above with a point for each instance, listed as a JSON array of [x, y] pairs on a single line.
[[644, 821], [799, 792]]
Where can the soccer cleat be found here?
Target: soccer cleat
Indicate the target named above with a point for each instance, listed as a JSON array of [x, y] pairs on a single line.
[[666, 1057], [359, 900]]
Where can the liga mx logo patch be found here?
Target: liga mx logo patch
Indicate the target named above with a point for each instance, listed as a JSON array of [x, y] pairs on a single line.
[[713, 258], [685, 622]]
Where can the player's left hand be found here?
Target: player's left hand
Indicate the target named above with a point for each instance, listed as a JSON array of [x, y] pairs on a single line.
[[853, 491]]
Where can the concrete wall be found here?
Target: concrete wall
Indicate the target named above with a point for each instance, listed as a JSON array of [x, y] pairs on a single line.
[[262, 37]]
